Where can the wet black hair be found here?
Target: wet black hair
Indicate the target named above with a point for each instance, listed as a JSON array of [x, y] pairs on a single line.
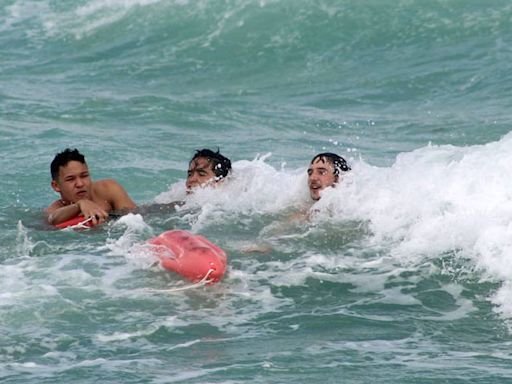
[[64, 157], [339, 163], [221, 165]]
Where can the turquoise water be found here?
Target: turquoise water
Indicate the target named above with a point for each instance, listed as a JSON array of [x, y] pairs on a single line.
[[401, 274]]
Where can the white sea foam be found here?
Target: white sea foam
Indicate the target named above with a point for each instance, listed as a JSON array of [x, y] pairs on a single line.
[[171, 322], [80, 20], [12, 284], [23, 10], [254, 187], [130, 243], [23, 243], [432, 200]]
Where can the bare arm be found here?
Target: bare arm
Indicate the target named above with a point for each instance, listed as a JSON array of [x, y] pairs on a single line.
[[58, 213]]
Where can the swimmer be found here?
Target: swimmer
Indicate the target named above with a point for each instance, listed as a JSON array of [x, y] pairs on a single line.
[[206, 168], [325, 171], [79, 195]]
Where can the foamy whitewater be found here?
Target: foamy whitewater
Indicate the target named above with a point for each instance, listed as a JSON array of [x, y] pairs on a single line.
[[399, 274]]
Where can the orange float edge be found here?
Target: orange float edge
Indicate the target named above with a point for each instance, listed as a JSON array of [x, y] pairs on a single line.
[[74, 221]]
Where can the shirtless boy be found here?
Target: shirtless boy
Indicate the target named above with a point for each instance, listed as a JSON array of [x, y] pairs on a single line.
[[79, 195]]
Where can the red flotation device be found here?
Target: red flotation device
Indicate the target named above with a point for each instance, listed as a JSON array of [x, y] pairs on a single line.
[[78, 220], [191, 256]]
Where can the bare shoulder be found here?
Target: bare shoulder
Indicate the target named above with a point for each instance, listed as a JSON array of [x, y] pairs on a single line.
[[111, 191], [107, 189], [106, 185]]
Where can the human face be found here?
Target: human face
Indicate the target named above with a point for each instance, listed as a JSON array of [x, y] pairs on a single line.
[[74, 182], [200, 173], [320, 176]]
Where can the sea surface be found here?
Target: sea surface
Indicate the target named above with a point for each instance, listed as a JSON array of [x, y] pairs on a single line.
[[400, 274]]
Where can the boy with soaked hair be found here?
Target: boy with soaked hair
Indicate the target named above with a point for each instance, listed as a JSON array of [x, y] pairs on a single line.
[[324, 171], [206, 167], [79, 195]]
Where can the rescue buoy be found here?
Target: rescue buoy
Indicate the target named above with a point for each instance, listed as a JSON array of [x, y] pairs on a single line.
[[191, 256], [78, 221]]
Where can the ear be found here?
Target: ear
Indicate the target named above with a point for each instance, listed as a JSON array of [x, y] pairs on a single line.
[[55, 186], [336, 179]]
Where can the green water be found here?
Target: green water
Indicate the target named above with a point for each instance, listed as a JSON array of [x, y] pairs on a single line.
[[401, 274]]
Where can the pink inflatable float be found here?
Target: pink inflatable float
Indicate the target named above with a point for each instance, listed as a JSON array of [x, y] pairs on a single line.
[[191, 256]]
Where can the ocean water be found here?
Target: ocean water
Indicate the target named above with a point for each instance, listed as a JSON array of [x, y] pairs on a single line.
[[400, 274]]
